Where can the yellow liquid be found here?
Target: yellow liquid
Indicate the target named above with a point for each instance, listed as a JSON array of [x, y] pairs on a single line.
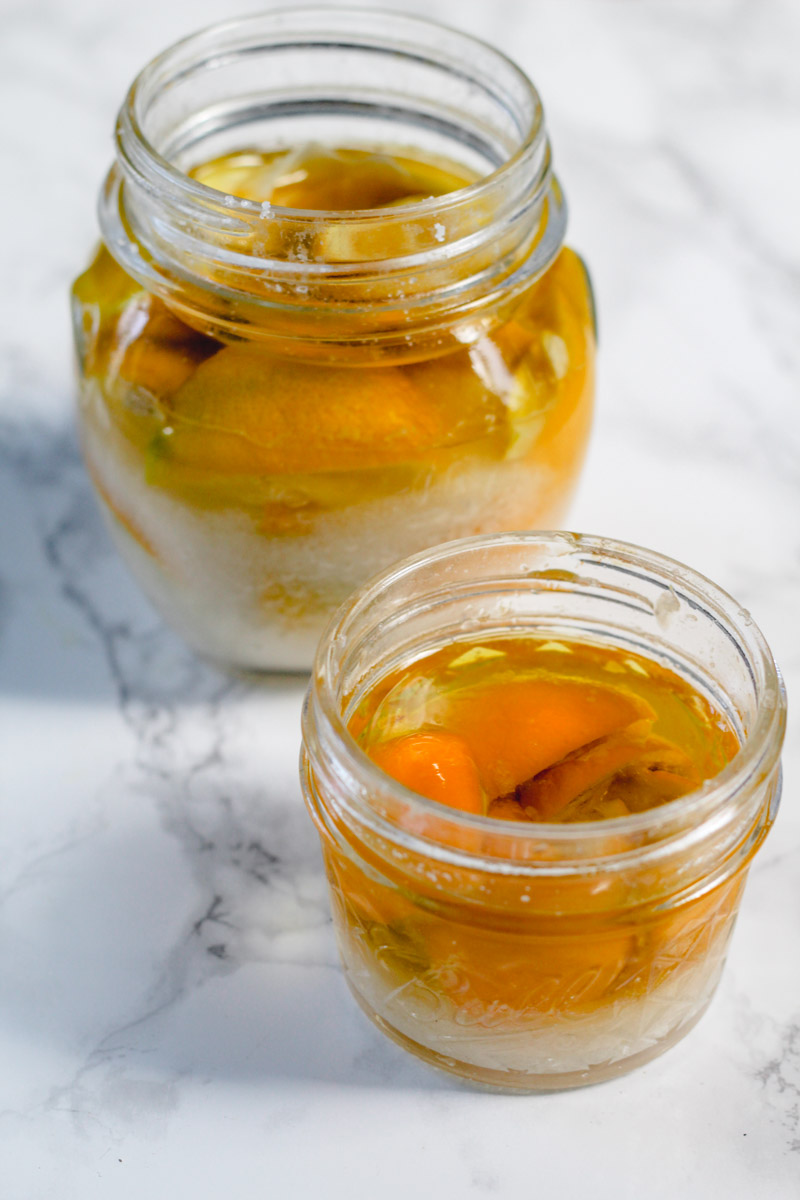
[[336, 179], [525, 729]]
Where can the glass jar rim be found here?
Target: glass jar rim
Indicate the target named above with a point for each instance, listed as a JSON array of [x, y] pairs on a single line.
[[387, 20], [684, 819], [430, 274]]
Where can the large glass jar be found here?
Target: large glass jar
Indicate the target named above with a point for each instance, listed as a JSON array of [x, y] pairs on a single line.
[[545, 955], [278, 401]]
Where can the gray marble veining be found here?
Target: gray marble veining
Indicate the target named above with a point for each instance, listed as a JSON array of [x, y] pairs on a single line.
[[172, 1016]]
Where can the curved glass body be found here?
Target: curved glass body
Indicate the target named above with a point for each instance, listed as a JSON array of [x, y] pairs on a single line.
[[539, 955], [324, 330]]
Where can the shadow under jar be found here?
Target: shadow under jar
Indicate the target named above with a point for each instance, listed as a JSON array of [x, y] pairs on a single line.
[[331, 322], [539, 955]]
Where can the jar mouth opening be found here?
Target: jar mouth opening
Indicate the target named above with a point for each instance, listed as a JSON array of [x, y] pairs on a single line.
[[688, 817], [436, 273], [308, 22]]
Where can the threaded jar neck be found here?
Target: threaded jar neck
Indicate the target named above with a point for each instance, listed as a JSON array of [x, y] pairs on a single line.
[[434, 270]]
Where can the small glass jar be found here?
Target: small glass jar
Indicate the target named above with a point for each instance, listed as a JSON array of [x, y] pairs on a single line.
[[538, 956], [277, 402]]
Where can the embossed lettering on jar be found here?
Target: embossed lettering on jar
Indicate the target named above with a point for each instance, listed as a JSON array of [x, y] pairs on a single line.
[[332, 320]]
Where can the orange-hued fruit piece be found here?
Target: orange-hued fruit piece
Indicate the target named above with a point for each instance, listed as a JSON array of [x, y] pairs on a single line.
[[246, 411], [546, 795], [166, 353], [434, 764], [516, 729]]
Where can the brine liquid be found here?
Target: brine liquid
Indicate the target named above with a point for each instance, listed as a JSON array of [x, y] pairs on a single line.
[[336, 179], [555, 731]]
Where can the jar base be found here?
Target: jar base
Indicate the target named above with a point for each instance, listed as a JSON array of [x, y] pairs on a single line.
[[507, 1081]]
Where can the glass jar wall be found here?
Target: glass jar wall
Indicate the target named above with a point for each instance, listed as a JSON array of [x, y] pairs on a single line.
[[332, 320]]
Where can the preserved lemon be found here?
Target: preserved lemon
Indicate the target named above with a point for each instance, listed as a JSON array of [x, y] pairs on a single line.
[[554, 731]]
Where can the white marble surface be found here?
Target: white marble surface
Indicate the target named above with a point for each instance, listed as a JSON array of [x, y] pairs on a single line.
[[172, 1017]]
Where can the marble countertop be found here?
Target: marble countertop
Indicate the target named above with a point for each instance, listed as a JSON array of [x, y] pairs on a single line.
[[172, 1017]]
